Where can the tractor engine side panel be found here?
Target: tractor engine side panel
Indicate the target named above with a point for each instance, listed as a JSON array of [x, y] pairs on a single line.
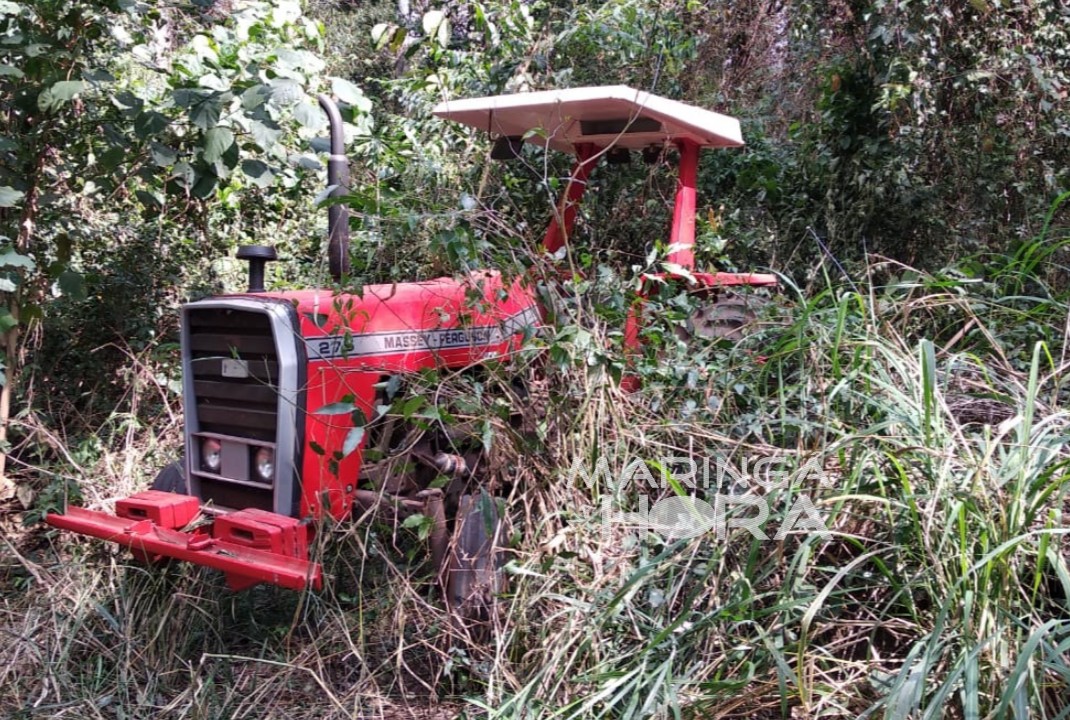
[[354, 342]]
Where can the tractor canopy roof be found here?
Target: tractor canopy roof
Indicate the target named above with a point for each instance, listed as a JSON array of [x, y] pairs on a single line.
[[613, 115]]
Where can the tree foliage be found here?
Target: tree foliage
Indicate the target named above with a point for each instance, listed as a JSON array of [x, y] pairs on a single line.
[[138, 139], [141, 141]]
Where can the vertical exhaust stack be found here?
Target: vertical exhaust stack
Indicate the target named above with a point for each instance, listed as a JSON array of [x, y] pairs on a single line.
[[338, 178], [258, 257]]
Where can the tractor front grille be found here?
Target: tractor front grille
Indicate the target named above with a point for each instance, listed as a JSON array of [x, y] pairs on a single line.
[[225, 345], [234, 368]]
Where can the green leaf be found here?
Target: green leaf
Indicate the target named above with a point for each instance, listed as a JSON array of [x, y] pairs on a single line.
[[430, 413], [112, 158], [488, 509], [10, 71], [358, 417], [9, 8], [163, 155], [285, 92], [187, 97], [31, 311], [61, 92], [413, 521], [151, 201], [127, 102], [214, 82], [148, 124], [310, 116], [224, 165], [419, 522], [184, 173], [353, 438], [397, 39], [9, 196], [204, 106], [381, 34], [204, 187], [411, 405], [338, 408], [205, 114], [7, 285], [259, 172], [254, 97], [10, 258], [98, 75], [265, 134], [437, 26], [72, 284], [216, 142], [350, 94], [7, 320], [301, 60]]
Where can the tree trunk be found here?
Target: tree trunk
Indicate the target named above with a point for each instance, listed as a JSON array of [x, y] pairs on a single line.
[[12, 359]]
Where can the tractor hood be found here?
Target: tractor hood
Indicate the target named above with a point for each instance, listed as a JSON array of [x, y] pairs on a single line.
[[412, 326]]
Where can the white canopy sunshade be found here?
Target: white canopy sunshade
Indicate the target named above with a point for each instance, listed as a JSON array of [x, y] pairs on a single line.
[[613, 115]]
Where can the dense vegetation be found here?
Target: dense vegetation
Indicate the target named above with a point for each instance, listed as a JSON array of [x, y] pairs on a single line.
[[907, 172]]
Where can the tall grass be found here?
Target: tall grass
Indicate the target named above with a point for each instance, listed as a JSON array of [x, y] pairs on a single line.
[[922, 417]]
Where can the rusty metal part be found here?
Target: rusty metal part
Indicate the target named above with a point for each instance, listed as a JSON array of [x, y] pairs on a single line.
[[400, 506], [449, 464], [398, 474], [435, 508]]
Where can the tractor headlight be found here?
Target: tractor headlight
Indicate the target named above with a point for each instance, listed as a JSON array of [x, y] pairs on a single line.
[[211, 455], [264, 462]]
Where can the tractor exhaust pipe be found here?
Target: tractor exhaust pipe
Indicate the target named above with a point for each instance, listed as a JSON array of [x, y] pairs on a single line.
[[338, 178]]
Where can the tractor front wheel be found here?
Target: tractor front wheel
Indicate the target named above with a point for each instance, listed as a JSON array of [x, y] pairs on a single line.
[[172, 478], [474, 577]]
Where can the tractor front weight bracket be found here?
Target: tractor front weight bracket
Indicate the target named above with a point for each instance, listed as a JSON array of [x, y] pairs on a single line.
[[249, 546]]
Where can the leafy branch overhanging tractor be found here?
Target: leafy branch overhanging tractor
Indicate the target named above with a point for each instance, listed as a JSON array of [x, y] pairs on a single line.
[[276, 383]]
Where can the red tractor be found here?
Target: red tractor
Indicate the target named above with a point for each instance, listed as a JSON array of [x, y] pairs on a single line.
[[282, 389]]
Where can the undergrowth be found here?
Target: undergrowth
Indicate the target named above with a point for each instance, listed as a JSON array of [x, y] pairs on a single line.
[[921, 417]]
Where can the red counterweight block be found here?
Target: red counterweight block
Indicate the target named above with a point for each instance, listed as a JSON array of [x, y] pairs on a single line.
[[163, 509], [261, 530]]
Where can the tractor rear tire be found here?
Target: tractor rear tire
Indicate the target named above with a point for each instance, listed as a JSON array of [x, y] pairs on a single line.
[[474, 577], [172, 479], [731, 317]]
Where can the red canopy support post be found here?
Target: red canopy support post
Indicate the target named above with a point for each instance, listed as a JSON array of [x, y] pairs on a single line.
[[682, 237], [563, 220]]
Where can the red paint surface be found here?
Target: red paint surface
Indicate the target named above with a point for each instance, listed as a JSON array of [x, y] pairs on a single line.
[[682, 238]]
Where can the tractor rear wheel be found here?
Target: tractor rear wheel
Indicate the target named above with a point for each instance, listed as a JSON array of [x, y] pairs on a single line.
[[731, 317], [474, 577]]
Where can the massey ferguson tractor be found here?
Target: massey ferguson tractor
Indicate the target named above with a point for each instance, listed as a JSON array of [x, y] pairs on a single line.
[[282, 389]]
